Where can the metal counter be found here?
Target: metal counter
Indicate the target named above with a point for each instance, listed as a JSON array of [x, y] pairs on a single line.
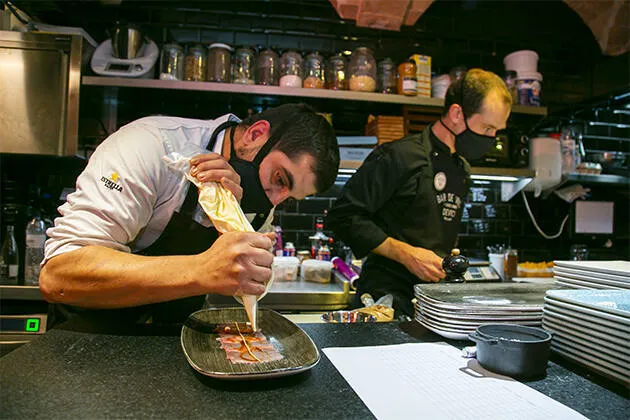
[[299, 296]]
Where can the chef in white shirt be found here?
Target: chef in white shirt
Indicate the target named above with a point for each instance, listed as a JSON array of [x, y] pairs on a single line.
[[132, 241]]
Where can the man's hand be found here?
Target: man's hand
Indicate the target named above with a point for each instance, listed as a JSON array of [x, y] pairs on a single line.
[[238, 263], [424, 263], [214, 167]]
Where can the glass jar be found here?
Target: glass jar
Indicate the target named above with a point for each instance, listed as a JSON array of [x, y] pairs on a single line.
[[243, 64], [291, 69], [387, 76], [510, 82], [172, 62], [267, 68], [219, 63], [196, 64], [407, 79], [510, 266], [336, 77], [457, 73], [314, 71], [362, 70]]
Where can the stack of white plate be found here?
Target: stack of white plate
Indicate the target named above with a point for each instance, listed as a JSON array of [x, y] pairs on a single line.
[[454, 310], [613, 275], [592, 328]]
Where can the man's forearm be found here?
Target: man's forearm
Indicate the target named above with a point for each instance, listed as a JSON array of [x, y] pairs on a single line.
[[99, 277], [393, 249]]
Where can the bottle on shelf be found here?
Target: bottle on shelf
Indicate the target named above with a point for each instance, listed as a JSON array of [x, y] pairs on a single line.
[[34, 249], [9, 258], [318, 238]]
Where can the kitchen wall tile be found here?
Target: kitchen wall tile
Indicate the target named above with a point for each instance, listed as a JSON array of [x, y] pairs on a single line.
[[314, 205], [295, 222]]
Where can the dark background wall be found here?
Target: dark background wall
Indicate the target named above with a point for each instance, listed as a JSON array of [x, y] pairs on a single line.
[[470, 33]]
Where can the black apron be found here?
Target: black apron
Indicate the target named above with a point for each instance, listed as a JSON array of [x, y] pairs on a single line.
[[182, 236]]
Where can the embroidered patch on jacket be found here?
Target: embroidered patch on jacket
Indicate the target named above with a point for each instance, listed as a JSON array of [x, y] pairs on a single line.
[[112, 182]]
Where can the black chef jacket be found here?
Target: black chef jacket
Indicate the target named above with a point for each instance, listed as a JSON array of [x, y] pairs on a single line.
[[412, 190]]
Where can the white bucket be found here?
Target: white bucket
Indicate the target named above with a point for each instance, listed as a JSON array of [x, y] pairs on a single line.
[[529, 88], [439, 86], [521, 61]]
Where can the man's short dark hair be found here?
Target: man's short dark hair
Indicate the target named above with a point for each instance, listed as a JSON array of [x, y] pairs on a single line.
[[472, 89], [301, 131]]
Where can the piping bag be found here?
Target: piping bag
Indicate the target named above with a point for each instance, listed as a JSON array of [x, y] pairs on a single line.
[[225, 213]]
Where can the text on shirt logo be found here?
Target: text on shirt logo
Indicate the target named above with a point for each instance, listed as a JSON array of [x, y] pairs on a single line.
[[111, 182]]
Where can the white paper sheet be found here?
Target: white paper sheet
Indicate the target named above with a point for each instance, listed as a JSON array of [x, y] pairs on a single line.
[[433, 381]]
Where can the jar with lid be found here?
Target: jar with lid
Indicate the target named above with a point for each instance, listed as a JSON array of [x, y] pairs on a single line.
[[219, 63], [196, 63], [314, 71], [291, 69], [267, 68], [386, 76], [510, 82], [362, 70], [511, 264], [172, 62], [407, 79], [243, 64], [336, 77]]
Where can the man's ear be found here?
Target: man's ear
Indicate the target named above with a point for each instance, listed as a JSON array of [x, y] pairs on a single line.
[[257, 134], [455, 113]]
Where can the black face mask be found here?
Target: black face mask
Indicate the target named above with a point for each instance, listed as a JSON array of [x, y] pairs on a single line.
[[254, 199], [469, 144]]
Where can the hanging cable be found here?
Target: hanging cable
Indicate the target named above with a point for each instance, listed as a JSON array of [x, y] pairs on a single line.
[[531, 215]]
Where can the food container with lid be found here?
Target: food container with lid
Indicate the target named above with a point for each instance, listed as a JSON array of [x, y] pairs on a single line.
[[337, 73], [521, 61], [243, 63], [268, 68], [219, 63], [316, 271], [314, 71], [362, 70], [529, 85], [285, 268], [172, 62], [386, 76], [291, 70], [196, 64]]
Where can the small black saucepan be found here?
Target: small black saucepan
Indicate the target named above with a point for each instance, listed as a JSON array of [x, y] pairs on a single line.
[[513, 350]]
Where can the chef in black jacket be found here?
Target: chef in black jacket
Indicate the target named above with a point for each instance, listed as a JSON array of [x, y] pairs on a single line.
[[402, 208]]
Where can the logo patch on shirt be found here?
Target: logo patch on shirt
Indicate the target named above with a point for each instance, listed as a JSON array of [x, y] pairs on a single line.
[[439, 181], [112, 182]]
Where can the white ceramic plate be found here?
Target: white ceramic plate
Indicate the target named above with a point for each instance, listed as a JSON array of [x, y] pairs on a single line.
[[613, 302], [588, 321], [572, 286], [479, 316], [594, 331], [619, 321], [617, 268], [451, 335], [614, 363], [596, 367], [478, 308], [594, 278], [588, 284], [623, 351], [450, 323]]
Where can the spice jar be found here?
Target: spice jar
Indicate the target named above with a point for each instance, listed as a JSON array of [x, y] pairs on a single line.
[[243, 66], [407, 82], [291, 69], [196, 64], [267, 68], [314, 71], [219, 63], [336, 76], [511, 264], [387, 76], [362, 70], [172, 62]]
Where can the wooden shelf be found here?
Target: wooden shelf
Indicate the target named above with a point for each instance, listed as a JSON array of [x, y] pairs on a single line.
[[344, 95]]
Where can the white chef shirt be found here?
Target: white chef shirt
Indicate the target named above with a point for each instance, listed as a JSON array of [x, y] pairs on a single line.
[[126, 195]]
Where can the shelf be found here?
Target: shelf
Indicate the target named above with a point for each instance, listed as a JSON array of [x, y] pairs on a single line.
[[599, 179], [512, 172], [344, 95], [20, 293]]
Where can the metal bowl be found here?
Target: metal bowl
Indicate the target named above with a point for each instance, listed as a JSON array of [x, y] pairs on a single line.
[[347, 317]]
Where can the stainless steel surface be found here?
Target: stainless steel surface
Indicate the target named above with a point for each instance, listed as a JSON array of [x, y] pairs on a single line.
[[127, 42], [39, 92], [20, 293], [298, 296], [275, 90]]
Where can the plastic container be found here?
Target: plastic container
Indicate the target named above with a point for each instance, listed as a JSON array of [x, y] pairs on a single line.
[[285, 268], [243, 64], [362, 70], [34, 250], [337, 73], [291, 70], [172, 62], [316, 271], [440, 85], [196, 64], [314, 71], [268, 68], [521, 61], [387, 76], [497, 261], [219, 63], [529, 85]]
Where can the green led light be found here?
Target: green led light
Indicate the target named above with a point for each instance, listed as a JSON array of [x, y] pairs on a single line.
[[32, 324]]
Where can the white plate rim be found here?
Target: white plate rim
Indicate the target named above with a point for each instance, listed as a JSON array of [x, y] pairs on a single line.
[[588, 351], [497, 315], [583, 339], [445, 334], [567, 272], [495, 308], [598, 286], [466, 325], [612, 314], [559, 319], [594, 266], [588, 321], [589, 364]]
